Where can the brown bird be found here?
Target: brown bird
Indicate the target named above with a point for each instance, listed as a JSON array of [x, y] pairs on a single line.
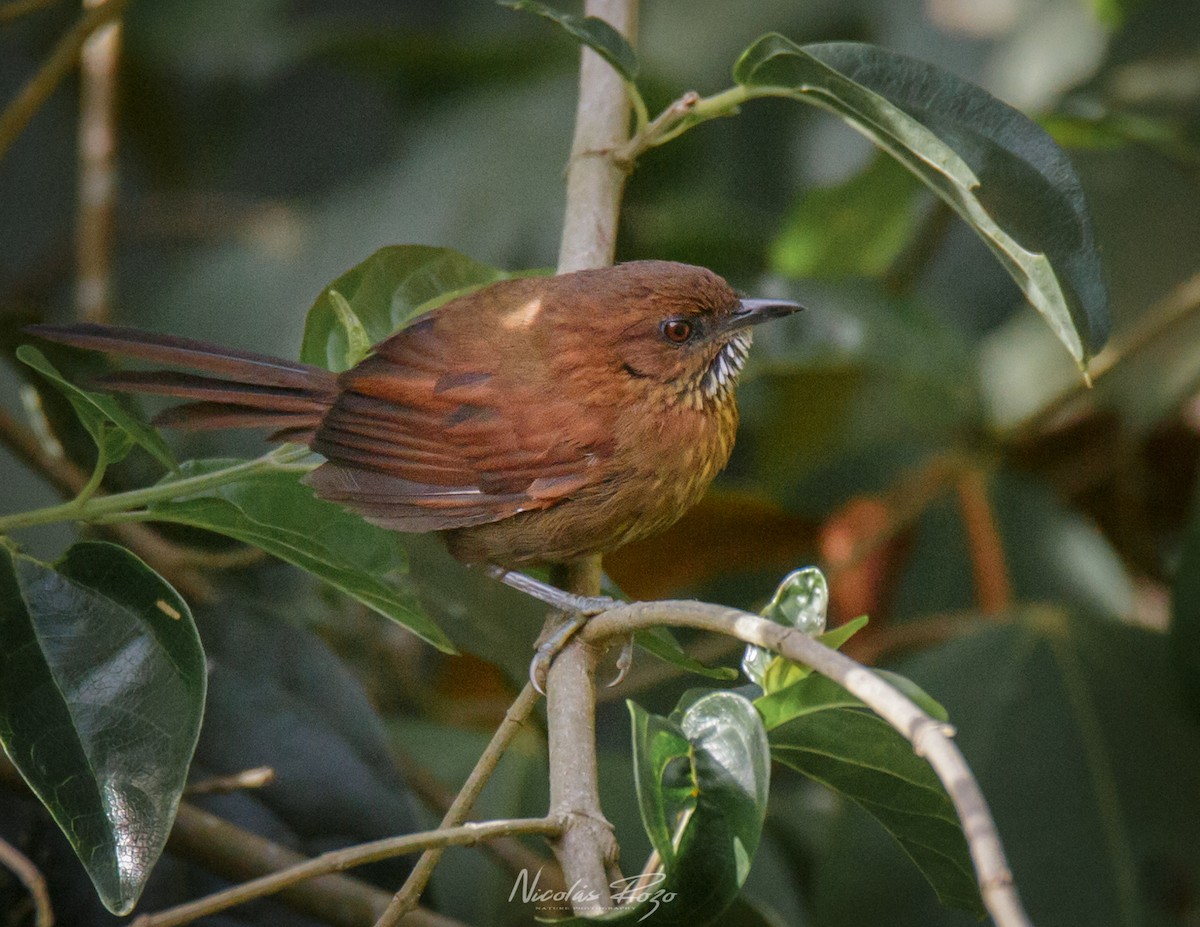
[[535, 420]]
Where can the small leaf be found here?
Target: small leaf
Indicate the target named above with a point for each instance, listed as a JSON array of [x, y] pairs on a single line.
[[595, 33], [358, 344], [799, 602], [102, 683], [866, 760], [662, 644], [702, 779], [111, 427], [383, 294], [274, 512], [998, 169]]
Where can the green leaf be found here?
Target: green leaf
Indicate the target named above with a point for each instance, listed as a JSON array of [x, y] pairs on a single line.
[[800, 601], [275, 512], [595, 33], [702, 777], [662, 644], [853, 229], [998, 169], [1077, 731], [102, 682], [863, 758], [384, 293], [817, 693], [113, 429]]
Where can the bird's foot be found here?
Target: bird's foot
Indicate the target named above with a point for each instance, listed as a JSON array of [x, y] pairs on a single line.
[[579, 608]]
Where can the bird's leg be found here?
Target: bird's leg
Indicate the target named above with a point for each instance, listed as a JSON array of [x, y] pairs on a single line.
[[583, 605], [578, 609]]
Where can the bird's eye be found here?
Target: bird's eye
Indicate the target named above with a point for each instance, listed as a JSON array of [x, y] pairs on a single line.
[[677, 331]]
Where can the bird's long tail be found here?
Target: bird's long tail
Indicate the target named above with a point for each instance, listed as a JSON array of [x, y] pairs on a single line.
[[248, 390]]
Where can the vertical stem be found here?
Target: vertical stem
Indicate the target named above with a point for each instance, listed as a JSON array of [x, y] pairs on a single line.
[[97, 171], [587, 850], [595, 181]]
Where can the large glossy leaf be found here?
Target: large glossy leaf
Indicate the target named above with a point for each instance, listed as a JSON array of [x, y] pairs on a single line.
[[998, 169], [102, 683], [865, 759], [113, 429], [275, 512], [382, 294], [1090, 762], [702, 779], [595, 33]]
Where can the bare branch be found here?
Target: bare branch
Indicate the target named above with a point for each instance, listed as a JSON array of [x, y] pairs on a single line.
[[340, 860], [929, 737], [97, 171], [406, 899], [60, 63], [31, 877]]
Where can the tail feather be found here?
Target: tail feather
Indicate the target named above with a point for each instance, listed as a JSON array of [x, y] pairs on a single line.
[[249, 390], [242, 366]]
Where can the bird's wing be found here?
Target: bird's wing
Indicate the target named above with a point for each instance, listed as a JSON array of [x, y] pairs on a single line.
[[426, 437]]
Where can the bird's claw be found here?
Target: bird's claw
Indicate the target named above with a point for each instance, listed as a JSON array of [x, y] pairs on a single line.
[[624, 661], [551, 647]]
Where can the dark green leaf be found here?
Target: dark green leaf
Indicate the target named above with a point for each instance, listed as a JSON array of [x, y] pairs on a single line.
[[113, 429], [595, 33], [383, 294], [275, 512], [662, 644], [998, 169], [102, 684], [865, 759], [855, 228], [702, 777], [1077, 732]]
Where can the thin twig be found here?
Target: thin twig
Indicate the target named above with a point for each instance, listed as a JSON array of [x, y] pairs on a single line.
[[993, 591], [1175, 309], [254, 778], [60, 63], [69, 480], [406, 899], [340, 860], [928, 736], [512, 854], [97, 171], [31, 877]]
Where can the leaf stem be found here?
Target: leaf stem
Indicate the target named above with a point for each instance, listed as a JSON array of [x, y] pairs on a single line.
[[104, 508]]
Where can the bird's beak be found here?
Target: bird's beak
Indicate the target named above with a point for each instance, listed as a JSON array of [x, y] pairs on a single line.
[[754, 311]]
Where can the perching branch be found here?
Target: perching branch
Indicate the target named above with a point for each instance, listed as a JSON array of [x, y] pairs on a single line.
[[930, 738], [587, 849]]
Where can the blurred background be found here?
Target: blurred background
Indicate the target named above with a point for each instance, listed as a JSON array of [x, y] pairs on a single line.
[[1023, 545]]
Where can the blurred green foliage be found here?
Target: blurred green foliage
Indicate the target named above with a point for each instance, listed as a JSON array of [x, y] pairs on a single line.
[[267, 146]]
